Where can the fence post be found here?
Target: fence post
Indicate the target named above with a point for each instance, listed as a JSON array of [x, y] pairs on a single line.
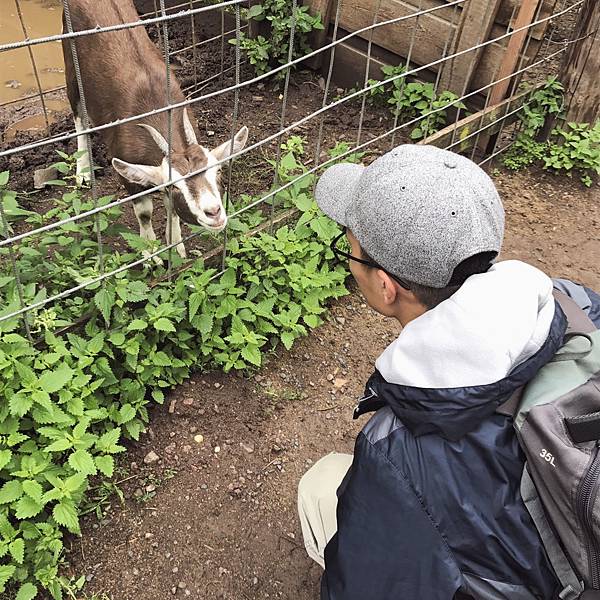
[[476, 21], [579, 73]]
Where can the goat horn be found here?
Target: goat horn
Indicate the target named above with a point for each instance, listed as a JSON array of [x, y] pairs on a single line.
[[190, 134], [157, 137]]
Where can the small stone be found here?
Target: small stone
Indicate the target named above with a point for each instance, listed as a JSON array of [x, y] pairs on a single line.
[[138, 493], [181, 585], [188, 401], [42, 176], [171, 434], [258, 98], [172, 405], [341, 320], [13, 84], [249, 448], [135, 572], [150, 488], [199, 438], [193, 429], [148, 535], [330, 377], [210, 133], [175, 569], [186, 449], [217, 449], [339, 383], [217, 385], [151, 457]]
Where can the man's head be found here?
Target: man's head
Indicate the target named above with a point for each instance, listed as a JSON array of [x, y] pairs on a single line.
[[420, 220]]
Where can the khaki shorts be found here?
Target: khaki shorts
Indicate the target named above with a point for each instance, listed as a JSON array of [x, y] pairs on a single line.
[[317, 502]]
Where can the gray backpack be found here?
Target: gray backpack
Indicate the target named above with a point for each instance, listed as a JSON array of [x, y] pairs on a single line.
[[557, 419]]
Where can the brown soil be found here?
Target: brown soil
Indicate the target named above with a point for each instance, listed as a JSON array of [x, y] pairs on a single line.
[[223, 524]]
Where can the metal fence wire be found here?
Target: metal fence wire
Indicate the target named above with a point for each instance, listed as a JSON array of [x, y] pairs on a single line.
[[164, 17]]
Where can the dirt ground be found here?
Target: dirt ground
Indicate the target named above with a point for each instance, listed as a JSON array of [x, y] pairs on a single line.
[[217, 519]]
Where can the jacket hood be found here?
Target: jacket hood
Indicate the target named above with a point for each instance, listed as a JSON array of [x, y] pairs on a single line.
[[457, 363]]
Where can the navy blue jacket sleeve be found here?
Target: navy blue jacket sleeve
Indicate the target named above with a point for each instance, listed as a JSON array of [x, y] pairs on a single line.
[[387, 545]]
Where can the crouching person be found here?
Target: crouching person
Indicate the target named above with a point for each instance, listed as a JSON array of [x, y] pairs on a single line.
[[429, 506]]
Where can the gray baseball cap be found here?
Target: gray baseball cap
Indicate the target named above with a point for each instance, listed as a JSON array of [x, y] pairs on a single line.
[[418, 211]]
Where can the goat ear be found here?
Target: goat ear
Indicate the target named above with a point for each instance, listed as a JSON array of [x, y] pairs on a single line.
[[239, 141], [190, 133], [141, 174]]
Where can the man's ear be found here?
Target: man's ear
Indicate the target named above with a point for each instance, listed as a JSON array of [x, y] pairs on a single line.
[[388, 287], [141, 174]]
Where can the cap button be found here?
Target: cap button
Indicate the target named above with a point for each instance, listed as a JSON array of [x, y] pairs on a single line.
[[450, 163]]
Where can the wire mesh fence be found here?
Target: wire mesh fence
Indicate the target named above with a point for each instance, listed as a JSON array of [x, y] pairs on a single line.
[[226, 93]]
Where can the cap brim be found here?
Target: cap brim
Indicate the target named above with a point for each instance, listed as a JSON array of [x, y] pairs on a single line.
[[335, 189]]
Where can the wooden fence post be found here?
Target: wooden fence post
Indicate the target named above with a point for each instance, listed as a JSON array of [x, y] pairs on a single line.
[[319, 36], [476, 21], [581, 67]]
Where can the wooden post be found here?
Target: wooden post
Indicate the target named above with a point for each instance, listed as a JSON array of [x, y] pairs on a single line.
[[513, 50], [319, 36], [476, 21], [580, 70]]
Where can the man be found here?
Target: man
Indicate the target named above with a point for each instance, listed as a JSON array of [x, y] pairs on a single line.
[[429, 507]]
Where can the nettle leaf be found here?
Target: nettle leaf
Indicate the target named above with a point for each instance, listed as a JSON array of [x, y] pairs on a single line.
[[6, 572], [52, 381], [20, 403], [105, 300], [137, 325], [10, 491], [108, 442], [17, 550], [105, 464], [65, 514], [27, 591], [81, 460], [195, 302], [288, 339], [161, 359], [58, 446], [5, 456], [126, 413], [117, 338], [137, 291], [95, 344], [33, 489], [252, 354], [27, 507], [164, 324], [204, 324]]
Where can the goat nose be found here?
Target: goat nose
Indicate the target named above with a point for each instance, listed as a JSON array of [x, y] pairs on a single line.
[[213, 212]]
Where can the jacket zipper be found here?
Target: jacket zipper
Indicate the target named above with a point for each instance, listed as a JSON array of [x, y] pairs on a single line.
[[586, 496]]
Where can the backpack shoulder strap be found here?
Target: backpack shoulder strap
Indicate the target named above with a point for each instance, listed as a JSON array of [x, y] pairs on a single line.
[[577, 319], [578, 323]]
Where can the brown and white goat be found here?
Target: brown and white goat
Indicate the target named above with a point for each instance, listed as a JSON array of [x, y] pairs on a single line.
[[123, 74]]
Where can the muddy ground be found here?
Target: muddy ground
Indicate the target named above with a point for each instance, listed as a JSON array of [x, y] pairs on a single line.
[[218, 519]]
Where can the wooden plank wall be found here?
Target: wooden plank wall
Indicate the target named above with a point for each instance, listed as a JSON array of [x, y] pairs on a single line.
[[445, 30]]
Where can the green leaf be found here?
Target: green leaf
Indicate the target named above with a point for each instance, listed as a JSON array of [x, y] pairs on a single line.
[[27, 591], [52, 381], [252, 354], [105, 464], [81, 460], [105, 300], [5, 456], [95, 344], [20, 403], [58, 445], [33, 489], [126, 413], [17, 550], [195, 301], [288, 339], [4, 175], [108, 442], [163, 324], [204, 324], [256, 10], [64, 514], [312, 321], [27, 507], [117, 338], [10, 491], [137, 325], [6, 572]]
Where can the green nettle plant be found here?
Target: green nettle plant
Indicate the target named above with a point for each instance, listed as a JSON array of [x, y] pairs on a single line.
[[70, 399], [573, 148], [266, 53], [412, 100]]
